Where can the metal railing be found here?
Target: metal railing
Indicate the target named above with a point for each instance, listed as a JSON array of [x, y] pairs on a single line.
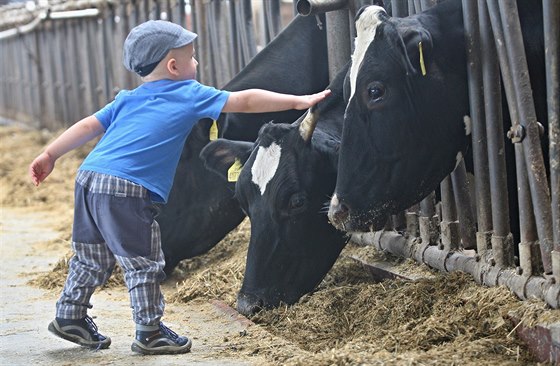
[[438, 236]]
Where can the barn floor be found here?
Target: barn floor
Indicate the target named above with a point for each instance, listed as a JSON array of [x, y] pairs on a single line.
[[349, 320], [26, 310]]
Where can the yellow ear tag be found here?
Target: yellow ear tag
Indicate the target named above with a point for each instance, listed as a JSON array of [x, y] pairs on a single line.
[[213, 131], [422, 65], [234, 171]]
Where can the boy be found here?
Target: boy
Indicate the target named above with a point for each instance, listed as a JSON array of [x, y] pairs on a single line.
[[130, 168]]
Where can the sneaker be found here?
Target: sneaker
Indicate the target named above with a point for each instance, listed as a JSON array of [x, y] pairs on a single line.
[[161, 341], [81, 331]]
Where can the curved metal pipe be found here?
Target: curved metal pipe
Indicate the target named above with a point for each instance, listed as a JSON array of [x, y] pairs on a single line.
[[314, 7], [524, 287]]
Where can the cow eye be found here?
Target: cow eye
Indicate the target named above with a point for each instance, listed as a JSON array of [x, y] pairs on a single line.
[[297, 201], [376, 91]]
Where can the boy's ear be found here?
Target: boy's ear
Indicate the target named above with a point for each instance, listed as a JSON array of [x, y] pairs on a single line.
[[226, 157], [172, 66]]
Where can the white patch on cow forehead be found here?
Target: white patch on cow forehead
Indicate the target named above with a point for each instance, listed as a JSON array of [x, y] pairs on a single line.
[[366, 25], [265, 165], [468, 125]]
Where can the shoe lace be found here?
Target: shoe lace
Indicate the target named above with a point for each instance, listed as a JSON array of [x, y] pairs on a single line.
[[168, 332], [91, 325]]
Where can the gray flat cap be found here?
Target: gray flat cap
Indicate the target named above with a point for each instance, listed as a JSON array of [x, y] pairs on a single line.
[[148, 43]]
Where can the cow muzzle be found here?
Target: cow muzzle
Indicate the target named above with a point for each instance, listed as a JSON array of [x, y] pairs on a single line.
[[344, 217], [339, 213], [249, 304]]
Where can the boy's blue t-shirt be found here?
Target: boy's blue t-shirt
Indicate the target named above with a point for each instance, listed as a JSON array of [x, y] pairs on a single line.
[[146, 128]]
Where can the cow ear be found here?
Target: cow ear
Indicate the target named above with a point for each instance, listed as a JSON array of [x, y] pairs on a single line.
[[226, 157], [418, 45]]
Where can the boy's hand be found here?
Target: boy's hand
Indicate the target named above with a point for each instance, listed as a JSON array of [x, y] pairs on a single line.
[[308, 101], [40, 168]]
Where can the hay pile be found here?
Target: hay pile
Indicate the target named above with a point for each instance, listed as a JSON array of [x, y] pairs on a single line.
[[218, 274], [349, 320]]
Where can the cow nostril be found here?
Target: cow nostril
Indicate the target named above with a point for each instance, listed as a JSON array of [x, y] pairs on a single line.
[[341, 212]]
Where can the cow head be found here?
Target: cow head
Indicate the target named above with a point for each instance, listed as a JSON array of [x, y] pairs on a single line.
[[287, 178], [403, 126]]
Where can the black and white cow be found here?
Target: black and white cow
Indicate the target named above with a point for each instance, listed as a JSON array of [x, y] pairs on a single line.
[[201, 209], [287, 178], [404, 127]]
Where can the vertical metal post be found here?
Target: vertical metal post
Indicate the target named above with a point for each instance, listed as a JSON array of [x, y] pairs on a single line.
[[429, 232], [527, 226], [272, 19], [412, 224], [399, 8], [40, 79], [467, 226], [502, 238], [533, 155], [338, 40], [448, 223], [480, 153], [551, 18], [399, 221]]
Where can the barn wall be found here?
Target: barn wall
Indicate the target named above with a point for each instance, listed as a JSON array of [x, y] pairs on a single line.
[[63, 62]]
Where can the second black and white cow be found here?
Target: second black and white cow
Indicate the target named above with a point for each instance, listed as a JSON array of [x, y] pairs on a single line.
[[201, 208], [404, 127], [287, 178]]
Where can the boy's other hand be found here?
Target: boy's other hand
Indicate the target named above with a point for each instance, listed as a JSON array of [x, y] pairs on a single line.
[[308, 101], [40, 168]]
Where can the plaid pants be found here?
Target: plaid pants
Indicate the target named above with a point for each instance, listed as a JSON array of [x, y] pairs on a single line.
[[114, 223]]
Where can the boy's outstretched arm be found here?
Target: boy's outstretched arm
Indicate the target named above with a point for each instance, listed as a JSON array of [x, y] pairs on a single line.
[[259, 101], [75, 136]]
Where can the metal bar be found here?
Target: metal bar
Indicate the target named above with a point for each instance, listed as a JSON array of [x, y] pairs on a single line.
[[338, 40], [24, 28], [494, 126], [399, 8], [314, 7], [480, 152], [233, 46], [411, 7], [467, 225], [40, 79], [429, 227], [273, 18], [551, 13], [449, 225], [84, 13], [450, 261], [538, 185], [527, 225], [412, 222], [248, 31], [502, 239]]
